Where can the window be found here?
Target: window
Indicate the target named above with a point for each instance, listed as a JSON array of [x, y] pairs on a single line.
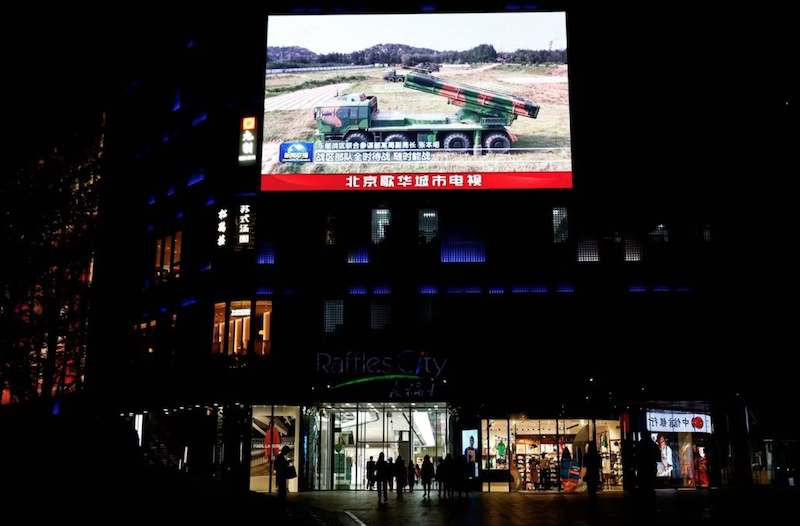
[[560, 225], [381, 222], [659, 233], [428, 225], [633, 249], [330, 230], [333, 315], [218, 339], [380, 314], [239, 327], [263, 334], [146, 335], [168, 257], [587, 249]]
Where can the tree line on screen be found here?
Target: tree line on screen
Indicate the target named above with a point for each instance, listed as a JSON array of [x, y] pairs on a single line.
[[394, 54]]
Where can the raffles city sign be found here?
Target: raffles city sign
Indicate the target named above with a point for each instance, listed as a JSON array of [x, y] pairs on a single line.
[[410, 373]]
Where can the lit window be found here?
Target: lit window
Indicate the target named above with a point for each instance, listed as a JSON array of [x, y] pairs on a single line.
[[560, 225], [333, 315], [587, 249], [263, 333], [633, 249], [168, 257], [330, 230], [659, 233], [428, 225], [381, 222], [239, 328], [218, 339]]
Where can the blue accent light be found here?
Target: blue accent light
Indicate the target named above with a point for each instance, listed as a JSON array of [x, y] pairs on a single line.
[[200, 118], [179, 215], [266, 254], [149, 228], [170, 191], [57, 407], [496, 290], [465, 290], [248, 194], [190, 43], [152, 200], [381, 290], [683, 289], [427, 8], [188, 301], [637, 288], [428, 289], [460, 249], [358, 289], [164, 308], [358, 255], [146, 282], [264, 291], [661, 289], [196, 178], [210, 201], [132, 85], [206, 267], [288, 292], [520, 290], [540, 289], [165, 138]]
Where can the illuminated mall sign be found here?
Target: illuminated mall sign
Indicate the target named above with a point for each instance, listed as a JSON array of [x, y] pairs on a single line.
[[412, 374], [222, 227], [678, 422], [247, 142], [416, 363]]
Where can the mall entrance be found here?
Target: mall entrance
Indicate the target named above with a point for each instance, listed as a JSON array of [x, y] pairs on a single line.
[[348, 434]]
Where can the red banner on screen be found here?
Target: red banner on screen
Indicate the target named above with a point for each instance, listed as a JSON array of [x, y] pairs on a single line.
[[438, 181]]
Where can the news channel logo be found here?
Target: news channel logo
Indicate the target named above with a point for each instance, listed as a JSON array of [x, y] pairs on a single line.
[[297, 152]]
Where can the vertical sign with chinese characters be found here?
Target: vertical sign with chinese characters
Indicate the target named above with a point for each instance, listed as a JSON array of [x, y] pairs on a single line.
[[247, 142], [245, 222], [222, 227]]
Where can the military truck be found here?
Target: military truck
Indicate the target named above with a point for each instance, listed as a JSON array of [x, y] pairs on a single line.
[[479, 126], [392, 76]]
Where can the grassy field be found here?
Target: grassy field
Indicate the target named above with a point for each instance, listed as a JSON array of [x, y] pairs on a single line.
[[543, 143]]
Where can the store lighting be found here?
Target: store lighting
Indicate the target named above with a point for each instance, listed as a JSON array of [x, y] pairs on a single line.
[[422, 425]]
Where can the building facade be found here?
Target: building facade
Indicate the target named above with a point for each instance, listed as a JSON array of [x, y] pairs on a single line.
[[346, 322]]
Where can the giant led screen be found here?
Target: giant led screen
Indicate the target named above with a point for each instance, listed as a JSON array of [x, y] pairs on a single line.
[[425, 101]]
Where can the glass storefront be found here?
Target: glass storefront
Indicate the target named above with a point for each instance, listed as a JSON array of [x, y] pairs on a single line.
[[523, 454], [337, 440]]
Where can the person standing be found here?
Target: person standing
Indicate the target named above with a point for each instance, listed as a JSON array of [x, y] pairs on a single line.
[[591, 461], [426, 474], [281, 472], [370, 473], [400, 474], [382, 475], [411, 475]]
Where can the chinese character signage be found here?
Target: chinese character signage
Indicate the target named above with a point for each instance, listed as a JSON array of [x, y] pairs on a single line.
[[245, 221], [247, 142], [222, 227], [678, 422]]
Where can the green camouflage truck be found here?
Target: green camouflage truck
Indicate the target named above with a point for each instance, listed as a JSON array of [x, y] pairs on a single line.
[[480, 126]]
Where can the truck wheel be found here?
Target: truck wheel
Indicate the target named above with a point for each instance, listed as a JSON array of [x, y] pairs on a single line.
[[357, 137], [395, 137], [457, 141], [497, 143]]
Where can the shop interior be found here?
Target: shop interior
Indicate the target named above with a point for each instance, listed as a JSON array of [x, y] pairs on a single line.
[[524, 454]]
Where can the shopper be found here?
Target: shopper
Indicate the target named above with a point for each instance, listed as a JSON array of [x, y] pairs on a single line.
[[426, 472], [382, 475], [591, 461], [400, 474], [281, 472], [370, 473]]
